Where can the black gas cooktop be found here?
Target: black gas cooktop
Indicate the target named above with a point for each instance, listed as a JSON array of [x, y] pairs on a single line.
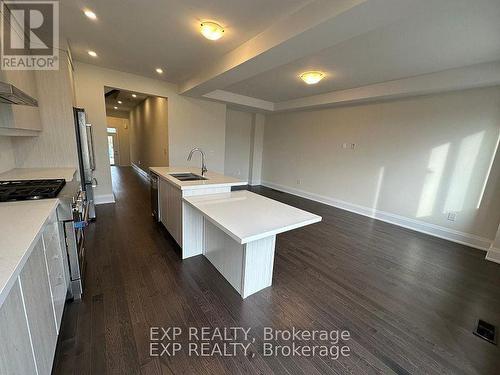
[[20, 190]]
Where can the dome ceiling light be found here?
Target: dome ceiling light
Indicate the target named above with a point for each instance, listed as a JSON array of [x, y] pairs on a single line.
[[312, 77], [211, 30]]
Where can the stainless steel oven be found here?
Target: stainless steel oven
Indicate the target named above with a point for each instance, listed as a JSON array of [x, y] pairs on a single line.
[[73, 213]]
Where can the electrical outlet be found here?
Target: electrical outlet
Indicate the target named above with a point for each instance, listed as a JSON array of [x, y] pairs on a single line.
[[299, 182], [452, 216], [350, 146]]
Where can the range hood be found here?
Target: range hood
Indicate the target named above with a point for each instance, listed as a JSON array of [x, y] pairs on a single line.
[[12, 95]]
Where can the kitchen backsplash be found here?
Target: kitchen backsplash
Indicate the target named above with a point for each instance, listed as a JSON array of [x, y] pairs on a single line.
[[7, 160]]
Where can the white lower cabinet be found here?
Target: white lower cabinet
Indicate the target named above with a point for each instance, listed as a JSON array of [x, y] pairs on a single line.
[[163, 200], [171, 209], [16, 354], [35, 287], [174, 214], [55, 259], [31, 314]]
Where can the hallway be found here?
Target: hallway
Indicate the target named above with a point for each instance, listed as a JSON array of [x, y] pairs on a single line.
[[409, 300]]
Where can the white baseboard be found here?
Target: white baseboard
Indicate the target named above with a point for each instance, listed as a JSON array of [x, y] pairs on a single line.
[[493, 255], [104, 198], [405, 222], [140, 172]]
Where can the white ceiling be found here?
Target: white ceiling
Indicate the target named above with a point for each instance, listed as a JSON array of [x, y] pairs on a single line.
[[267, 43], [112, 96], [458, 34], [138, 36]]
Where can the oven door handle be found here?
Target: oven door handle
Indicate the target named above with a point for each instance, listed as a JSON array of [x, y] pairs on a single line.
[[80, 224], [83, 223]]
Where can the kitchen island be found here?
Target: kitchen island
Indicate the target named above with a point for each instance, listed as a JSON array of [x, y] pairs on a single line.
[[236, 231], [173, 213]]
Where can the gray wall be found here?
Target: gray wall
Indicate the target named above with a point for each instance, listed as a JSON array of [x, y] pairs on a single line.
[[418, 158], [149, 133], [238, 143], [191, 122]]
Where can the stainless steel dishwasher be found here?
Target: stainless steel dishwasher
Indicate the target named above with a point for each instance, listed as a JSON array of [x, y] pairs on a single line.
[[153, 178]]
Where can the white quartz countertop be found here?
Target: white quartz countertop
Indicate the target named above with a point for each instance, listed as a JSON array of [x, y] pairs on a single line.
[[38, 174], [246, 216], [213, 179], [20, 224]]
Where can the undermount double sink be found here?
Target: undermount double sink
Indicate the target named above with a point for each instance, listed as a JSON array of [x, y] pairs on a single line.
[[188, 177]]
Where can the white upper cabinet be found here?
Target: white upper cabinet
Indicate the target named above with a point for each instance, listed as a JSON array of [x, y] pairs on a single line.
[[21, 117]]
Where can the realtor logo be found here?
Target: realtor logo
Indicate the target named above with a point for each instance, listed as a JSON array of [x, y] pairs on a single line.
[[30, 35]]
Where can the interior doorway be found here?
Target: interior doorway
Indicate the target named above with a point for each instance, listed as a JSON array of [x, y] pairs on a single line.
[[113, 147], [137, 131]]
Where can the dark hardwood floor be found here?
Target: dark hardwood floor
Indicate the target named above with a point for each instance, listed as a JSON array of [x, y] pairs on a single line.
[[410, 301]]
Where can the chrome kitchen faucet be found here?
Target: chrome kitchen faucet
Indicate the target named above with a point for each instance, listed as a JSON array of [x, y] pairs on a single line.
[[203, 165]]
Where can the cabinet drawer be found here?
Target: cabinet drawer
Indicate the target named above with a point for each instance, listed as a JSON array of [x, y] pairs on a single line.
[[39, 309], [55, 264], [55, 267], [16, 356], [51, 228]]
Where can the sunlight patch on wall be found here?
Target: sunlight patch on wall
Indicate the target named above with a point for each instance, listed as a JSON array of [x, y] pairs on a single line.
[[377, 191], [435, 168], [462, 174], [492, 160]]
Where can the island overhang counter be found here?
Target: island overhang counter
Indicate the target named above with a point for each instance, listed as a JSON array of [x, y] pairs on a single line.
[[236, 231]]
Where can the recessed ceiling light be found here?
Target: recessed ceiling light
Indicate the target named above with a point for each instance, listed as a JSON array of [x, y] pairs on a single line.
[[134, 96], [120, 102], [92, 53], [312, 77], [90, 14], [159, 70], [211, 30], [115, 107]]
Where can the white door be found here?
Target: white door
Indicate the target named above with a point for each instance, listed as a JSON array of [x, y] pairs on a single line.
[[113, 149]]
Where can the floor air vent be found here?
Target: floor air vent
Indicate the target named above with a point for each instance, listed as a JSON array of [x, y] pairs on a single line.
[[486, 331]]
